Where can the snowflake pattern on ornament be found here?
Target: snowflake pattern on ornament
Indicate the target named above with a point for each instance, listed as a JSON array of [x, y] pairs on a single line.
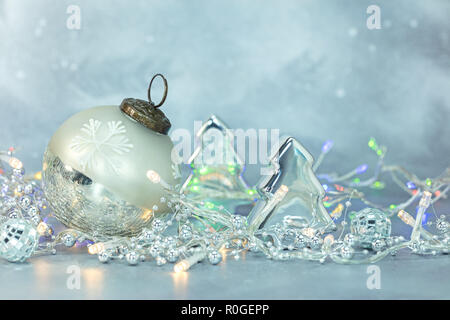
[[99, 143]]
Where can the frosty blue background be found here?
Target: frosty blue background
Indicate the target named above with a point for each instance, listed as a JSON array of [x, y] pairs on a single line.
[[310, 68]]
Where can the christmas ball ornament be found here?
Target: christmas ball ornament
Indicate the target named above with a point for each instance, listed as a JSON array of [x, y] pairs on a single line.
[[347, 252], [368, 225], [96, 167], [442, 225], [350, 240], [18, 240], [378, 244], [214, 257], [132, 258]]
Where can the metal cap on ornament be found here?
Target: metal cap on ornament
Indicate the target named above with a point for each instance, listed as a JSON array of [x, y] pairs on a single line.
[[147, 112]]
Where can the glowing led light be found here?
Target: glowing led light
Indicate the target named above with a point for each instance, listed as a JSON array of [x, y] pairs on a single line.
[[361, 169], [392, 206], [147, 215], [42, 228], [425, 217], [411, 185], [406, 217], [327, 146], [153, 176], [309, 232], [15, 163], [185, 264], [325, 187], [209, 205], [328, 240], [378, 185], [336, 213], [96, 248], [181, 266], [428, 182], [372, 143], [203, 170], [356, 180], [425, 201]]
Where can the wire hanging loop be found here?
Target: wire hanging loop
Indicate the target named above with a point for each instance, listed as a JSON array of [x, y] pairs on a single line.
[[166, 89]]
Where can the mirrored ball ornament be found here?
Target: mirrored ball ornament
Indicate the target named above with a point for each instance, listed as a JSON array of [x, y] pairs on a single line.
[[370, 224], [347, 252], [214, 257], [95, 168], [18, 240]]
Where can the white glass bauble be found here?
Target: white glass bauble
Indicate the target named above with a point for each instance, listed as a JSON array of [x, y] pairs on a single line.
[[95, 171]]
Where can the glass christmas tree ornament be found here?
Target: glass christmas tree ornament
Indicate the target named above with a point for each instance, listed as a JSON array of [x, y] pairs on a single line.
[[291, 191], [216, 170], [18, 240], [216, 167], [95, 167], [369, 225]]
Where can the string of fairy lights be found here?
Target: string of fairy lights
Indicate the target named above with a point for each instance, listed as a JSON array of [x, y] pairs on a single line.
[[201, 230]]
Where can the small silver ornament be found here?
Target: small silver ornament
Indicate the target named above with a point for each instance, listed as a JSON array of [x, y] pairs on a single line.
[[172, 255], [157, 225], [103, 257], [369, 225], [25, 202], [33, 211], [160, 261], [155, 250], [315, 243], [18, 240], [442, 226], [347, 252], [378, 244], [28, 189], [132, 258], [214, 257], [301, 241], [15, 213], [350, 240], [185, 234], [68, 240]]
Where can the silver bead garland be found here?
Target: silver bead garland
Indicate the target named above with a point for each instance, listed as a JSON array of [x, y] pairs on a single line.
[[202, 231]]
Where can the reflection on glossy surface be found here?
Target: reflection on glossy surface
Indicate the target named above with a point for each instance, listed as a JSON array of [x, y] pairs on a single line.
[[292, 189], [42, 275], [83, 204], [93, 281], [180, 284]]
